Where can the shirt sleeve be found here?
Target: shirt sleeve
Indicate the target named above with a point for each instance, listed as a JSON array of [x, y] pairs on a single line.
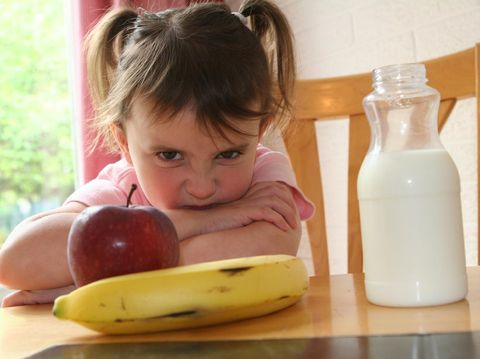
[[111, 187], [274, 166], [98, 192]]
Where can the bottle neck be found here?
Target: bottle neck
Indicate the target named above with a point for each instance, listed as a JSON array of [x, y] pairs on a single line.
[[401, 76], [402, 111]]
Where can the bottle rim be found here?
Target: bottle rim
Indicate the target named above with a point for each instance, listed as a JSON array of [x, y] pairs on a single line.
[[399, 74]]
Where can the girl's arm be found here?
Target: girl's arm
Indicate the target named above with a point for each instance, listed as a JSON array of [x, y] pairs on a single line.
[[34, 255], [264, 221], [257, 238], [270, 202]]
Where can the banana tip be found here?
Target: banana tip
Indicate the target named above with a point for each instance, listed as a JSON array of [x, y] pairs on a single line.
[[57, 307]]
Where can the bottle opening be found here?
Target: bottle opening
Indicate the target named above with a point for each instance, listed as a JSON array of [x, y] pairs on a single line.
[[399, 74]]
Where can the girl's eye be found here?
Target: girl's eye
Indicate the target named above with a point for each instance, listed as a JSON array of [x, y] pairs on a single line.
[[229, 155], [169, 156]]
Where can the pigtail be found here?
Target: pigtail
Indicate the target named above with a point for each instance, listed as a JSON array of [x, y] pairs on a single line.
[[104, 45], [270, 25]]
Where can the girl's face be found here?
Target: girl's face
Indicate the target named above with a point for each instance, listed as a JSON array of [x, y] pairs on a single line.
[[179, 165]]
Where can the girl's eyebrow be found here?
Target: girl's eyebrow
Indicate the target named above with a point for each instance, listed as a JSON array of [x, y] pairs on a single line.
[[162, 147], [230, 147]]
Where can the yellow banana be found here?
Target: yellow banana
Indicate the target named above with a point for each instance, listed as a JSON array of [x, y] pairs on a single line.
[[188, 296]]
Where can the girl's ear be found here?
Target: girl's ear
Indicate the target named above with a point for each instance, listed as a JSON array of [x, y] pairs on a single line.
[[121, 140]]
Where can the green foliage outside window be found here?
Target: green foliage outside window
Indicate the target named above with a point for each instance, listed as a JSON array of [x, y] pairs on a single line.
[[36, 160]]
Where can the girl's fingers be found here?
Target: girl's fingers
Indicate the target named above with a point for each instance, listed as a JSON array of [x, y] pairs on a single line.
[[276, 196], [271, 216], [290, 216], [266, 189], [268, 201], [27, 297]]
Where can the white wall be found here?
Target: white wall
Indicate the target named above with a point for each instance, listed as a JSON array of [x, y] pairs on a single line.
[[342, 37]]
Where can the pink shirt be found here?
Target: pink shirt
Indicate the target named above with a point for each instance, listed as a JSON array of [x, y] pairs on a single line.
[[113, 183]]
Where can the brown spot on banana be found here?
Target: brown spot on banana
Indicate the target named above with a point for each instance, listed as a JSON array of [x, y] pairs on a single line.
[[234, 271], [220, 289], [185, 313]]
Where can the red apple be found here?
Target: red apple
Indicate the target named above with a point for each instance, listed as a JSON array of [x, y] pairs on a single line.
[[107, 241]]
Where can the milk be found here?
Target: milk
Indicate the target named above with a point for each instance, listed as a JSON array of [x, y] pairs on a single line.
[[412, 230]]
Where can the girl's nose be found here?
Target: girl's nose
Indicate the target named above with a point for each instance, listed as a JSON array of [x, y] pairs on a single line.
[[201, 187]]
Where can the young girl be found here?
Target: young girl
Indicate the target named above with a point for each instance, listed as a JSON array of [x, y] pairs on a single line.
[[185, 95]]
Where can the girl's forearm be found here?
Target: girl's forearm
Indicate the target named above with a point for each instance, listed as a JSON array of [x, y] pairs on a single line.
[[35, 255], [188, 223], [270, 202], [258, 238]]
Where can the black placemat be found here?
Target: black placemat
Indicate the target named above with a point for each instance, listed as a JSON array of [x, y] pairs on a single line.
[[449, 345]]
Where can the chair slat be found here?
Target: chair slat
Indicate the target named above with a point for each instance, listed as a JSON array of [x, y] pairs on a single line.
[[303, 152], [359, 141], [446, 108], [477, 94]]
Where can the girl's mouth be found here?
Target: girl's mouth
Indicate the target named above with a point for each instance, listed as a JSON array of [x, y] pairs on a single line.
[[199, 208]]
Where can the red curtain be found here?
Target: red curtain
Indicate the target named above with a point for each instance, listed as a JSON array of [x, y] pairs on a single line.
[[85, 14]]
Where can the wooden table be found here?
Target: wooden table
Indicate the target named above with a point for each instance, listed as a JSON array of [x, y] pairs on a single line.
[[334, 306]]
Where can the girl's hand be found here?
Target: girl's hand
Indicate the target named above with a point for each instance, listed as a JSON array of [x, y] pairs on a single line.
[[265, 201], [41, 296]]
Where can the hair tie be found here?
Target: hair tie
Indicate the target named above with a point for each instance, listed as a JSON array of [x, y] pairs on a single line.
[[240, 16]]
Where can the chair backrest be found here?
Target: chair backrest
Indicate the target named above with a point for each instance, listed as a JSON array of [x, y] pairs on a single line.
[[454, 76]]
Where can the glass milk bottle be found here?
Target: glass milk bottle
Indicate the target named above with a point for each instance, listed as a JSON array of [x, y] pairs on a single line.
[[409, 196]]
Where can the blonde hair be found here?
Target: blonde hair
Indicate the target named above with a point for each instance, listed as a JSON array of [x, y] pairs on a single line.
[[202, 55]]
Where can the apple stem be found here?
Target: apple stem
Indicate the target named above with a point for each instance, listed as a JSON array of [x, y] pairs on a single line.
[[132, 189]]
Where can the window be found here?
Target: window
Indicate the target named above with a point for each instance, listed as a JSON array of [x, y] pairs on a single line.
[[36, 149]]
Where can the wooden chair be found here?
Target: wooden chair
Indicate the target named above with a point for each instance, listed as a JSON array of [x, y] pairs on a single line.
[[454, 76]]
